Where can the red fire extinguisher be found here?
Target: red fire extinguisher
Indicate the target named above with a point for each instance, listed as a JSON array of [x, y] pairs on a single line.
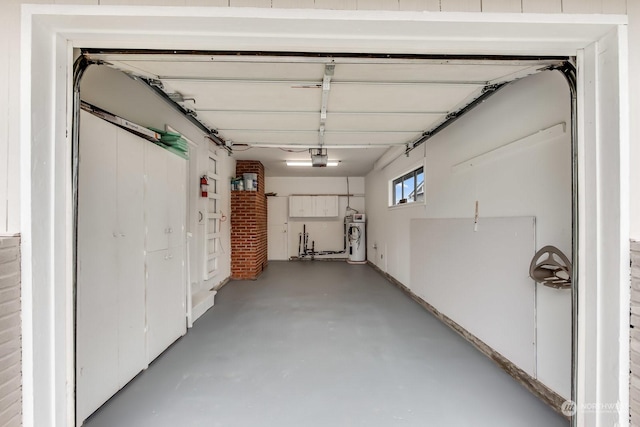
[[204, 186]]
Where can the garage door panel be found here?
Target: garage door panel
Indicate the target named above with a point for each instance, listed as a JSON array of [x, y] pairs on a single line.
[[423, 72], [230, 70], [382, 122], [297, 137], [377, 138], [249, 96], [269, 121], [397, 98]]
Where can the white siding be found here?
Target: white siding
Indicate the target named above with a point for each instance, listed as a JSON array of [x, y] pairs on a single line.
[[10, 336], [502, 6]]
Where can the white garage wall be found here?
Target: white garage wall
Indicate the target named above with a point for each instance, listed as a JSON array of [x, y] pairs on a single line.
[[327, 233], [533, 182], [115, 92]]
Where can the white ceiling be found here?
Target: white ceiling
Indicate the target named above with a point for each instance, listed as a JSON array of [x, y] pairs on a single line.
[[270, 106]]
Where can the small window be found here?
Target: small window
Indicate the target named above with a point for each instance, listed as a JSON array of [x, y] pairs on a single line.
[[408, 188]]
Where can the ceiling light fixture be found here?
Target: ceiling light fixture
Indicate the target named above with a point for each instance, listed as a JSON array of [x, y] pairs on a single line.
[[308, 163]]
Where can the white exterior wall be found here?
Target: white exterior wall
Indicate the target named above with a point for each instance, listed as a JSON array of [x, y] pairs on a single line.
[[535, 181], [10, 51], [328, 233]]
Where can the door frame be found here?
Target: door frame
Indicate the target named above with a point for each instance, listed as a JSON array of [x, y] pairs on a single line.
[[49, 34]]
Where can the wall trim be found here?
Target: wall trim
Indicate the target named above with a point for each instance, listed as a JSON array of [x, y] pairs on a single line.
[[541, 391], [221, 284]]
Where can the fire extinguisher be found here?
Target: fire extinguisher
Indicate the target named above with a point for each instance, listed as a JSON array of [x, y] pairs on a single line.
[[204, 186]]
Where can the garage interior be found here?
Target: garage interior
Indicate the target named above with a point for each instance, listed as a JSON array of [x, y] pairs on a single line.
[[491, 137]]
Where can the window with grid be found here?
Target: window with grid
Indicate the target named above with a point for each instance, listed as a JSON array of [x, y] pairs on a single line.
[[408, 188]]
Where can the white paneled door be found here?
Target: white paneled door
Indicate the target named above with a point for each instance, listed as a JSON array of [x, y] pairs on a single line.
[[110, 327], [131, 248], [277, 229]]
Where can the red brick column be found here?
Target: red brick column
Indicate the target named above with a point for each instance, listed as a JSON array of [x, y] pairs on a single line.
[[248, 225]]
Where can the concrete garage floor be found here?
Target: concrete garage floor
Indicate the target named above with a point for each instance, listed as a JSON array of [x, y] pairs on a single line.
[[321, 344]]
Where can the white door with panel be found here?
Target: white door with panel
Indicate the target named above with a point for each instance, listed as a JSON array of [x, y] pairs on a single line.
[[277, 229], [131, 249], [110, 328], [165, 209]]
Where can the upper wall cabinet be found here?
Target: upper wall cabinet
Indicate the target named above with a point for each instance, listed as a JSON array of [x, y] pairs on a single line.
[[313, 206]]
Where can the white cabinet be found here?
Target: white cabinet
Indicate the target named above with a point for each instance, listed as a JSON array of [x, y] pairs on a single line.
[[110, 327], [326, 206], [166, 319], [165, 184], [131, 252], [301, 206], [313, 206]]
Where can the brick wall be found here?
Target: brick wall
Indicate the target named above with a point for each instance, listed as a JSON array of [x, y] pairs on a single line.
[[634, 395], [248, 225], [10, 334]]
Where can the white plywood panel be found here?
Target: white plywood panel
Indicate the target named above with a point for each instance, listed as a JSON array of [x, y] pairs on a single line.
[[176, 178], [156, 197], [502, 6], [377, 5], [130, 316], [479, 279], [336, 4], [542, 6], [229, 70], [252, 120], [293, 4], [397, 98], [382, 122], [166, 315], [251, 96], [97, 332], [582, 6], [430, 5], [460, 5], [424, 72]]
